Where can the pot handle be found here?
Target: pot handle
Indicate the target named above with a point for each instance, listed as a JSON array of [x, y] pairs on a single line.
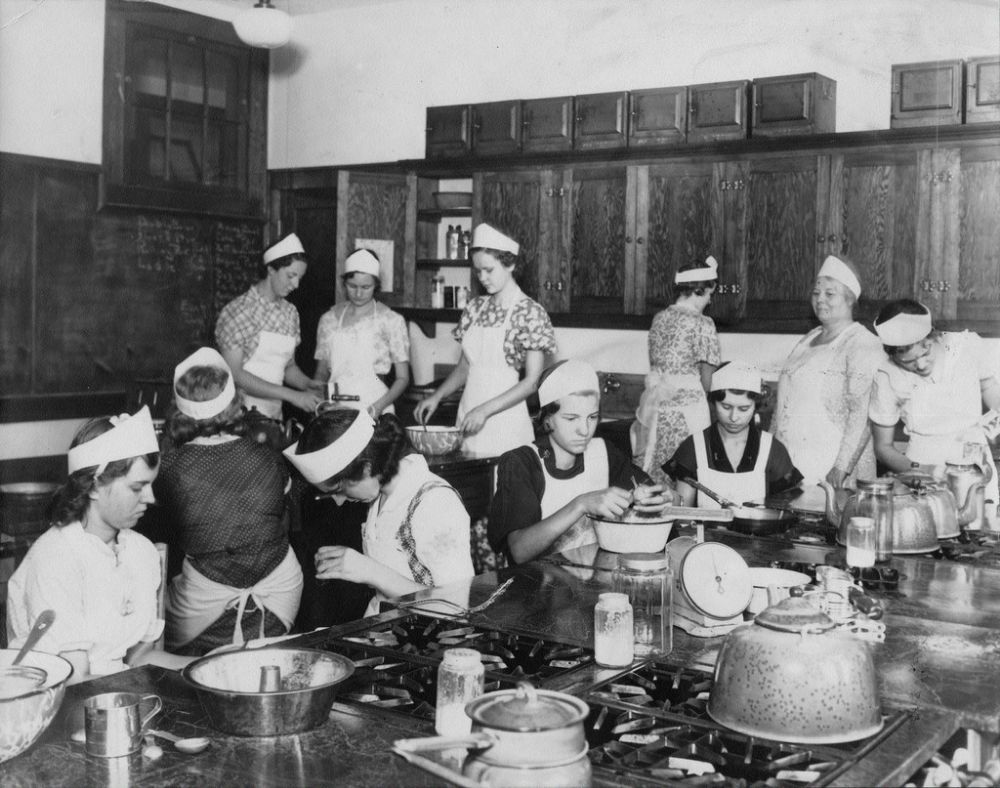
[[408, 749]]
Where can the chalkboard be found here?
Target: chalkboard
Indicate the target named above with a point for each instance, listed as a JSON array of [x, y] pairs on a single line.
[[118, 294]]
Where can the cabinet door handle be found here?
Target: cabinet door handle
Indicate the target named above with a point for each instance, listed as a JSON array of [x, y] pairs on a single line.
[[628, 239], [547, 285], [559, 286], [820, 238], [640, 240]]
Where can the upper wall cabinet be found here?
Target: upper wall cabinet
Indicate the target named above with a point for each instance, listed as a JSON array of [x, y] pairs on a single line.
[[547, 125], [448, 131], [657, 117], [496, 128], [601, 121], [185, 113]]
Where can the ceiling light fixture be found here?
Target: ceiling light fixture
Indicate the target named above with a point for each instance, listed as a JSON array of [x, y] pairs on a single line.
[[263, 26]]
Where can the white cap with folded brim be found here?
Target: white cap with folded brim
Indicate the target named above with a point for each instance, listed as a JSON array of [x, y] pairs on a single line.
[[204, 409], [903, 329], [362, 262], [738, 376], [486, 237], [131, 436], [835, 268], [706, 274], [318, 466], [567, 377], [290, 244]]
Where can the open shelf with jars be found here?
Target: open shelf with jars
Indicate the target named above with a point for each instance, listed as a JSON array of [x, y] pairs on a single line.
[[444, 233]]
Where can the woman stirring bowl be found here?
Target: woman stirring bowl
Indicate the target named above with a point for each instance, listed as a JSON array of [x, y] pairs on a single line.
[[362, 339], [97, 574], [501, 334], [417, 530], [823, 391], [546, 491], [733, 457], [936, 383], [683, 352]]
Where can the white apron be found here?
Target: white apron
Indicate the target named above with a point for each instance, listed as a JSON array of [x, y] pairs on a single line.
[[559, 492], [352, 362], [665, 390], [268, 362], [490, 375], [195, 602], [739, 488]]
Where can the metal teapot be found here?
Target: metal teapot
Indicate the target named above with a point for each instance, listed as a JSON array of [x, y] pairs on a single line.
[[967, 483]]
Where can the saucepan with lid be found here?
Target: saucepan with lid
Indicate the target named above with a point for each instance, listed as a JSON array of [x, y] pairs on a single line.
[[749, 518]]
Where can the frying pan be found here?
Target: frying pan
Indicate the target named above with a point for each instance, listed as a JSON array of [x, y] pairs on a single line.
[[756, 520]]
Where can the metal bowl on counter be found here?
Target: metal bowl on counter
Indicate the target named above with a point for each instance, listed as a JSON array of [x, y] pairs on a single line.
[[28, 708], [228, 685], [434, 439], [632, 534]]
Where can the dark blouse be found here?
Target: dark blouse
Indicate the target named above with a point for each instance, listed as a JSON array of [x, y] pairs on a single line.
[[517, 502], [779, 472]]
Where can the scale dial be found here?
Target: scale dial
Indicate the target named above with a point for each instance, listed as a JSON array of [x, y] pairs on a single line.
[[716, 580]]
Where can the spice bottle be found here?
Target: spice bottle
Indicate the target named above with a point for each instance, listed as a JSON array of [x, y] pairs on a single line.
[[459, 680], [647, 580], [451, 239], [437, 292], [613, 644], [464, 245], [461, 297]]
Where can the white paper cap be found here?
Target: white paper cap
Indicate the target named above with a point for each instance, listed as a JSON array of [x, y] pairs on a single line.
[[699, 274], [835, 268], [567, 377], [318, 466], [290, 244], [736, 375], [363, 262], [204, 409], [903, 329], [487, 237], [131, 436]]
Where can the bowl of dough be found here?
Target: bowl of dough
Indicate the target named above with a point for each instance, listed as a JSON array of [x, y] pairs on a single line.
[[434, 439], [635, 532]]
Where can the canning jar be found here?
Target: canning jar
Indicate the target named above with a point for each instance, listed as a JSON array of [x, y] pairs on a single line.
[[613, 644], [874, 500], [459, 680], [861, 542], [647, 580]]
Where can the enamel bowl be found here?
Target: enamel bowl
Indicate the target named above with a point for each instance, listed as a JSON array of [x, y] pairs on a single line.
[[25, 714]]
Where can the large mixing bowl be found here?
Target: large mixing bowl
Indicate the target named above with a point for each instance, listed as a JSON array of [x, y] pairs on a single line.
[[25, 717], [632, 534], [434, 439], [228, 686]]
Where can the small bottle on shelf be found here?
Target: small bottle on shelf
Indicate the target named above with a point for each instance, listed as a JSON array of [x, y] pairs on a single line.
[[452, 242], [437, 292], [463, 246]]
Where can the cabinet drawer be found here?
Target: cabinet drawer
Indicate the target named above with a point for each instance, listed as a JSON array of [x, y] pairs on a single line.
[[600, 121], [982, 89], [718, 111], [794, 104], [926, 94], [448, 131], [657, 116], [547, 124], [496, 128]]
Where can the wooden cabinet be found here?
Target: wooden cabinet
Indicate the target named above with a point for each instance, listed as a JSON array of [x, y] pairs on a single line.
[[794, 104], [657, 117], [718, 111], [547, 125], [601, 121], [982, 90], [926, 94], [496, 128], [448, 131]]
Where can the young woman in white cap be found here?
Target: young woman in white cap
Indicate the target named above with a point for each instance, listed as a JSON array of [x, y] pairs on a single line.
[[224, 496], [360, 340], [733, 456], [936, 383], [417, 530], [547, 490], [822, 410], [503, 334], [257, 334], [683, 352], [97, 574]]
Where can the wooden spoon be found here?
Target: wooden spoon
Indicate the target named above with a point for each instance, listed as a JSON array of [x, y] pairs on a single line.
[[42, 624]]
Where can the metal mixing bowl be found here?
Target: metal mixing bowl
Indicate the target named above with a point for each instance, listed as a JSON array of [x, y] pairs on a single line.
[[25, 717], [228, 685], [434, 439]]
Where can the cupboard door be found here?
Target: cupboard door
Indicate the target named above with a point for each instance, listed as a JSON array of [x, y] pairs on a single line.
[[379, 207], [977, 294], [597, 280], [547, 124], [496, 128], [657, 116], [447, 131], [522, 205], [872, 221], [781, 197], [17, 269], [600, 121], [679, 219]]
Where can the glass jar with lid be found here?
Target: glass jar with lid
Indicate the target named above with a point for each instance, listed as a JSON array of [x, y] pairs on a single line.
[[460, 679], [648, 582], [874, 500]]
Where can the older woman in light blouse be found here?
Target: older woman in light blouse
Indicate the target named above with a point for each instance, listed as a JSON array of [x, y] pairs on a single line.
[[822, 411]]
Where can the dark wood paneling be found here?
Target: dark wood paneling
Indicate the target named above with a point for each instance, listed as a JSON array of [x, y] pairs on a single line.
[[979, 236], [597, 241]]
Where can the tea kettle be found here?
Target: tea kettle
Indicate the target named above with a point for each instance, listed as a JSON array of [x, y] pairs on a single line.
[[967, 483]]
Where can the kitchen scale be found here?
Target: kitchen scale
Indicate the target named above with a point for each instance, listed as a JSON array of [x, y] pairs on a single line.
[[712, 586]]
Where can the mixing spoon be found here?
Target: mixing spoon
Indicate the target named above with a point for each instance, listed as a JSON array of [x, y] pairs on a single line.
[[191, 746], [42, 623]]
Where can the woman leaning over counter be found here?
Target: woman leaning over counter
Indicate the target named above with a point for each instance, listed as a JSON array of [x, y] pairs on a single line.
[[547, 490], [97, 574], [501, 334], [936, 383], [258, 332], [825, 385], [224, 495], [417, 530], [683, 352], [733, 457], [361, 339]]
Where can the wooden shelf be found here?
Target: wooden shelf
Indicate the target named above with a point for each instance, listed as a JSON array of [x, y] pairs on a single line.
[[443, 262], [436, 214]]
